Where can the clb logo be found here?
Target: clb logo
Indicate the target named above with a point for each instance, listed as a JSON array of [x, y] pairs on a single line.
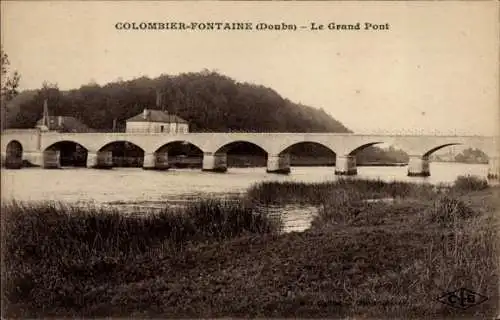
[[462, 298]]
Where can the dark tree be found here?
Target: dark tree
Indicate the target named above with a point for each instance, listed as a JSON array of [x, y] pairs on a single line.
[[9, 85]]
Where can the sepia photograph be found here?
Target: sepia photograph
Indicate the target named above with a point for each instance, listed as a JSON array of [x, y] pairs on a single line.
[[250, 159]]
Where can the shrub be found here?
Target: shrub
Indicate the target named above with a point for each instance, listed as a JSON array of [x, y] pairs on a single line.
[[226, 218], [448, 211], [470, 183], [341, 207]]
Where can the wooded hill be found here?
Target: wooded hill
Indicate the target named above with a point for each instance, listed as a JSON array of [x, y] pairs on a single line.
[[207, 100]]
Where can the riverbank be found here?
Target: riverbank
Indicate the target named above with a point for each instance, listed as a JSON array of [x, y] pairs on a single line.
[[360, 258]]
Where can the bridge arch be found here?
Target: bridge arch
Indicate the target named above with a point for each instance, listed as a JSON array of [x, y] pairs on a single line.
[[307, 153], [180, 154], [470, 153], [124, 153], [241, 153], [183, 145], [237, 144], [363, 146], [431, 151], [71, 153], [14, 155]]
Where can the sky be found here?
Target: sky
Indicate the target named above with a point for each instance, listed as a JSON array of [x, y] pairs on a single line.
[[434, 71]]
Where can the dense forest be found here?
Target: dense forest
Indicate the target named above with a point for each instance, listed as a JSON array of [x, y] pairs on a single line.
[[207, 100]]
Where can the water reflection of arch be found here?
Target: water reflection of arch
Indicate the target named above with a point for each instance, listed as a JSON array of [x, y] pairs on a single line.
[[71, 153], [181, 154], [307, 153], [124, 153], [14, 155], [241, 153]]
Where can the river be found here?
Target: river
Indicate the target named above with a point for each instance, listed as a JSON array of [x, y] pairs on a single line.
[[139, 189]]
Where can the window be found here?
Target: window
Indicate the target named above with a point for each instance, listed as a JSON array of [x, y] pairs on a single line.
[[162, 128]]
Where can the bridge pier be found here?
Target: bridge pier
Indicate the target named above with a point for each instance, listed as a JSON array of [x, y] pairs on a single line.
[[346, 165], [418, 166], [214, 162], [51, 159], [100, 160], [155, 161], [162, 161], [278, 163], [494, 168]]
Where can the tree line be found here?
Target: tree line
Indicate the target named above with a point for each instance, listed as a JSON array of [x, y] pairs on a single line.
[[207, 100]]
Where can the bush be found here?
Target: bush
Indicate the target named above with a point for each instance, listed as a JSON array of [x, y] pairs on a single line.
[[227, 218], [470, 183], [341, 207], [449, 211]]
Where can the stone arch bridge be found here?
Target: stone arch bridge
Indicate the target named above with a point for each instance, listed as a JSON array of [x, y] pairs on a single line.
[[40, 148]]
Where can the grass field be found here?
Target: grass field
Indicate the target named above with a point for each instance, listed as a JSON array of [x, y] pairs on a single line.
[[361, 259]]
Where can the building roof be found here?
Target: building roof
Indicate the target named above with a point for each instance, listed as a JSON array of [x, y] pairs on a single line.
[[156, 116], [63, 123]]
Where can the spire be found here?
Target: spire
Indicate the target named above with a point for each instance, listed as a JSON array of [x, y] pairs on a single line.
[[45, 113]]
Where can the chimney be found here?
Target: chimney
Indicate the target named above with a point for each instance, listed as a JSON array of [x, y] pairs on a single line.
[[145, 114]]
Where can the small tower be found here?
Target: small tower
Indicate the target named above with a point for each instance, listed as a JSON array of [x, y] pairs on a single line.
[[45, 118]]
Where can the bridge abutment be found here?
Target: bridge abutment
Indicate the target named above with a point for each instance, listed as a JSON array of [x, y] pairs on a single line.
[[48, 159], [155, 161], [418, 166], [494, 168], [278, 163], [100, 160], [346, 165], [214, 162], [3, 158], [34, 158]]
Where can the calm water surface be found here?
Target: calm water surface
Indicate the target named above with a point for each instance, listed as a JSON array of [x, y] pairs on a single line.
[[136, 188]]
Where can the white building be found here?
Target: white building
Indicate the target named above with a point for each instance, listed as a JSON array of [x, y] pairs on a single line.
[[156, 121]]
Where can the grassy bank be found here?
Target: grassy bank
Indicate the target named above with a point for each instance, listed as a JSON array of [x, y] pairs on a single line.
[[222, 258]]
